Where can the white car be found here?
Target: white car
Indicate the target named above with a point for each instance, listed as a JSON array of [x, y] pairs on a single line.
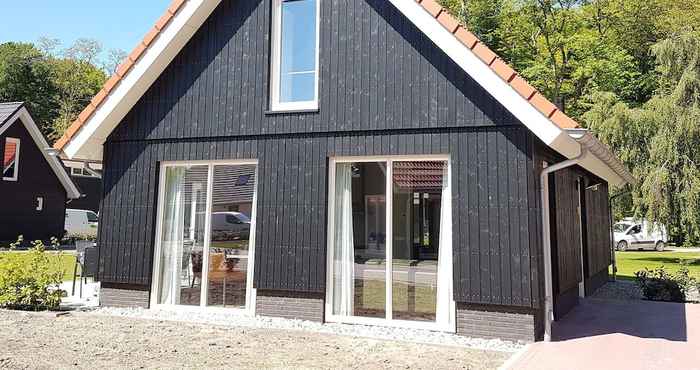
[[630, 234], [80, 222]]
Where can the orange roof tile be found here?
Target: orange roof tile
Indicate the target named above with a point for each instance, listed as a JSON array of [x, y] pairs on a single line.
[[122, 70]]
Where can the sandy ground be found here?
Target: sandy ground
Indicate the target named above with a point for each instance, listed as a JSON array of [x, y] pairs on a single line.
[[84, 340]]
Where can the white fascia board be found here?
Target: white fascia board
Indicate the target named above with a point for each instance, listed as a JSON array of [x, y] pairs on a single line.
[[54, 162], [551, 134], [87, 143]]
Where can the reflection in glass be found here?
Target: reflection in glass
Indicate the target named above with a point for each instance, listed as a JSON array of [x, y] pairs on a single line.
[[359, 254], [417, 204], [232, 205], [182, 239]]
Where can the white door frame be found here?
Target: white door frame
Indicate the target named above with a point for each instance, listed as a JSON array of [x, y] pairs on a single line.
[[388, 320], [155, 278]]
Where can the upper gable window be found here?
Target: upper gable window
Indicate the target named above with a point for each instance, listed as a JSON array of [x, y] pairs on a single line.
[[294, 83], [10, 159]]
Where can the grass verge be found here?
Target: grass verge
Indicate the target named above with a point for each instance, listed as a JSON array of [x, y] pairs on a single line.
[[630, 262]]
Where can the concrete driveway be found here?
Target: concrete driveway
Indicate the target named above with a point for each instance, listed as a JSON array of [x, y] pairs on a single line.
[[612, 334]]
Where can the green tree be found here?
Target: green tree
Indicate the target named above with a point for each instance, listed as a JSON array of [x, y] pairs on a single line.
[[25, 75]]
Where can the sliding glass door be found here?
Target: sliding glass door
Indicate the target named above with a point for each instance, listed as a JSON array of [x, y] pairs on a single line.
[[390, 242], [204, 248]]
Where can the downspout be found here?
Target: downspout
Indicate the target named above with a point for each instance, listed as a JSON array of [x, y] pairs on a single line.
[[546, 241]]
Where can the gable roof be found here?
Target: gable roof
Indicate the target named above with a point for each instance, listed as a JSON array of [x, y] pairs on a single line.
[[183, 17], [10, 113]]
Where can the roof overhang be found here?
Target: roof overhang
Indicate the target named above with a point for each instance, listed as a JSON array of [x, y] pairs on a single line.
[[87, 142], [600, 160], [54, 162]]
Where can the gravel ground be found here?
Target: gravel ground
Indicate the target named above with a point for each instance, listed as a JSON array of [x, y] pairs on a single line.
[[85, 340]]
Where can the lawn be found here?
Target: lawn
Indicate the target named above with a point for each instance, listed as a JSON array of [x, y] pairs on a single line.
[[65, 261], [630, 262]]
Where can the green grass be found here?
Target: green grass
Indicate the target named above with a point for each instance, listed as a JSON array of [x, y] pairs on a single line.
[[65, 261], [630, 262]]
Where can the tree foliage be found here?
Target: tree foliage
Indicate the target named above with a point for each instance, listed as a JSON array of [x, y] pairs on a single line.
[[56, 84]]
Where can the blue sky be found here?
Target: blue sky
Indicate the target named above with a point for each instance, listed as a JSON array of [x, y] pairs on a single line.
[[116, 24]]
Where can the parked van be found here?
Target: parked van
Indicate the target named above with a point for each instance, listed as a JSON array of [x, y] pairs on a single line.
[[81, 222], [630, 234]]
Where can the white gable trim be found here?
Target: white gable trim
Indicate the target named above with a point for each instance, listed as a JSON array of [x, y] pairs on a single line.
[[54, 162], [87, 143]]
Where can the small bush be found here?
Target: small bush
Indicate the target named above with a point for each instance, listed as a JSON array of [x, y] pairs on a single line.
[[660, 285], [30, 281]]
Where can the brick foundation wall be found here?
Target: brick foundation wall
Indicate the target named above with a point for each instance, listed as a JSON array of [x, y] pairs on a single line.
[[495, 322], [124, 296], [290, 305]]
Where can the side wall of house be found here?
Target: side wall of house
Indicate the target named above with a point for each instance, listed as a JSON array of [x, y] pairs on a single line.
[[18, 213]]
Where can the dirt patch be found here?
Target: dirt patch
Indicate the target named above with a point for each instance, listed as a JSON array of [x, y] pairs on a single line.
[[83, 340]]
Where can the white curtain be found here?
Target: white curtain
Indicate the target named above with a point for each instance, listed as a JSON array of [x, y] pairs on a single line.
[[445, 310], [172, 236], [343, 245]]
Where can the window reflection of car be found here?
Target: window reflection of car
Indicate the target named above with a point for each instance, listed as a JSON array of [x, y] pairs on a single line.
[[227, 226]]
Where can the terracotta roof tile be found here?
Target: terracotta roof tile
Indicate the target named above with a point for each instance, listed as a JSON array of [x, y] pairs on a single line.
[[563, 121], [503, 70], [543, 105], [467, 38], [432, 7], [448, 21], [122, 70], [523, 87], [484, 53]]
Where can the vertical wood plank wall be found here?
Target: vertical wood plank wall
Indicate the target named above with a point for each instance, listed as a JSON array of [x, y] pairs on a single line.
[[495, 222]]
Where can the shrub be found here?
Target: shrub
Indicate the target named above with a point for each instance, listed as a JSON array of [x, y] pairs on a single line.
[[31, 280], [660, 285]]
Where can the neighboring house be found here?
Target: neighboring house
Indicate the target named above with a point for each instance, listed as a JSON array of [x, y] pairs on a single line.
[[396, 166], [87, 176], [34, 187]]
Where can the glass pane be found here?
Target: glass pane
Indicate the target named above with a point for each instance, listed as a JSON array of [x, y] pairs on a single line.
[[298, 87], [417, 193], [298, 51], [182, 239], [9, 159], [232, 207], [359, 262]]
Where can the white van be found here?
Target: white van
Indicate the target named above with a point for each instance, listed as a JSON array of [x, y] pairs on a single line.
[[630, 234], [80, 222]]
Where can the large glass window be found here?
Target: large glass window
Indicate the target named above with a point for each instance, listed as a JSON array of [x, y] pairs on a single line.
[[205, 235], [10, 159], [295, 55], [398, 273]]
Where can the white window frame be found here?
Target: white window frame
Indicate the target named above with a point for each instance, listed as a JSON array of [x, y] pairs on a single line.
[[276, 46], [388, 320], [251, 292], [15, 176]]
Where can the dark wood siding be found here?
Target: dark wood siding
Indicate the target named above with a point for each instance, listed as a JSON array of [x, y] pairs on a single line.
[[566, 246], [91, 188], [598, 241], [377, 72], [495, 223], [18, 214]]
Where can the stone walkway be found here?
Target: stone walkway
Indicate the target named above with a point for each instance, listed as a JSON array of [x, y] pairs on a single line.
[[620, 334]]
